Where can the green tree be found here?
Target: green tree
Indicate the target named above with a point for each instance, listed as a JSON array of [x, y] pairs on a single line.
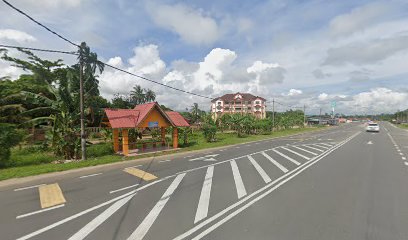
[[9, 137]]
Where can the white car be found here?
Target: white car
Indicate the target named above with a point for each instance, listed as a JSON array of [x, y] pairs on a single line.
[[373, 127]]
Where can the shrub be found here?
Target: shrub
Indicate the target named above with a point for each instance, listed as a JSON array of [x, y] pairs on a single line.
[[98, 150], [9, 137], [209, 131]]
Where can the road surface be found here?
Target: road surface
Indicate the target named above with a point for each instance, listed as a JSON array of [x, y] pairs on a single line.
[[339, 183]]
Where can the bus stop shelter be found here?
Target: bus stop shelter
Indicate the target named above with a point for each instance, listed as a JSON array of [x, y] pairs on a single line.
[[149, 115]]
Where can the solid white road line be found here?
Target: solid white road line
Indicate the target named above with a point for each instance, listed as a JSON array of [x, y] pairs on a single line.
[[294, 152], [121, 189], [258, 168], [168, 160], [287, 157], [24, 188], [39, 211], [320, 150], [49, 227], [239, 184], [269, 188], [203, 203], [305, 150], [91, 175], [96, 222], [144, 227], [280, 166]]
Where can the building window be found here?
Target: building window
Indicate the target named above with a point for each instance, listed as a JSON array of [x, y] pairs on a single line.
[[238, 109], [237, 102], [226, 108], [249, 102], [249, 108], [257, 102]]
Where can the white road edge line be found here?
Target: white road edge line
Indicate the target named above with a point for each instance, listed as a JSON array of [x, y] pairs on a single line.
[[40, 211], [287, 157], [260, 170], [144, 227], [24, 188], [280, 166], [294, 152], [203, 202], [286, 177], [239, 184], [121, 189], [90, 175], [96, 222]]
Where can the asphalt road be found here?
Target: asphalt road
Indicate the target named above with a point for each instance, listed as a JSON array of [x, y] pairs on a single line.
[[339, 183]]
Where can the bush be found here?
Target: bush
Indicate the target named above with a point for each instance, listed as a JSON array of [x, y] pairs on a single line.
[[209, 131], [9, 137], [98, 150]]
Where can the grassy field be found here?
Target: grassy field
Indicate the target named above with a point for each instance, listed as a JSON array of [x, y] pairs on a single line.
[[28, 162], [403, 125]]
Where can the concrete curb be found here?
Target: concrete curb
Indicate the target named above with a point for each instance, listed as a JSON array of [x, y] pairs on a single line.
[[109, 166]]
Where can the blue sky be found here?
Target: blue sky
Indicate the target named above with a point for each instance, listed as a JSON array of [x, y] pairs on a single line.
[[297, 52]]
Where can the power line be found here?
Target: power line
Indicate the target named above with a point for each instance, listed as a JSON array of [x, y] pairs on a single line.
[[39, 49], [40, 24], [106, 64], [161, 84]]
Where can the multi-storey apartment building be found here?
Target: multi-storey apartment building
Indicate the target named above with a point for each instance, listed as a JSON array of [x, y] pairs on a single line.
[[243, 103]]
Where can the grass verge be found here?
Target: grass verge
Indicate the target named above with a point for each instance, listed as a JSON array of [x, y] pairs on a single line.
[[197, 142]]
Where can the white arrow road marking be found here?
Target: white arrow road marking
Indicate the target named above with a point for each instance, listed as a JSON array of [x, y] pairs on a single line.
[[144, 227], [370, 142], [195, 159]]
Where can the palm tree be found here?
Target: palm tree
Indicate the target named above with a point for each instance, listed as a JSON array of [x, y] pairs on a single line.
[[195, 112], [91, 64], [150, 96], [137, 95]]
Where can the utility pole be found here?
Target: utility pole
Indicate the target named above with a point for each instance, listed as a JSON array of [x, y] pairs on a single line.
[[81, 104], [273, 113]]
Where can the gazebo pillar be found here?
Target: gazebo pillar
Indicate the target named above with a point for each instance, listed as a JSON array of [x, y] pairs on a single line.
[[163, 135], [115, 136], [125, 141], [175, 137]]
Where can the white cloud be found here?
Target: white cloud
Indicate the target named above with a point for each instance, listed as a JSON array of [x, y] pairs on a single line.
[[190, 24], [358, 18], [379, 100], [294, 92], [115, 61], [16, 36], [146, 60], [322, 96], [366, 52]]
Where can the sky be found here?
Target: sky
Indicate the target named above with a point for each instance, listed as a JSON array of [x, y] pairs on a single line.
[[311, 53]]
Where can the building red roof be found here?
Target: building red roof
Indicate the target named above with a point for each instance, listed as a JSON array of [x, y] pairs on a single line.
[[245, 97], [122, 118], [177, 119], [131, 118]]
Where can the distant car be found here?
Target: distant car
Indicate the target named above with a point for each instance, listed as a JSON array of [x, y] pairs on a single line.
[[373, 127]]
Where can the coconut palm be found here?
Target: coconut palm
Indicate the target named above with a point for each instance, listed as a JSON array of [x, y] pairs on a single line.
[[150, 96], [137, 95]]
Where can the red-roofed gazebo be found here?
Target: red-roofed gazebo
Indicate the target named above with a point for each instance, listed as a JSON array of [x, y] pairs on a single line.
[[149, 115]]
